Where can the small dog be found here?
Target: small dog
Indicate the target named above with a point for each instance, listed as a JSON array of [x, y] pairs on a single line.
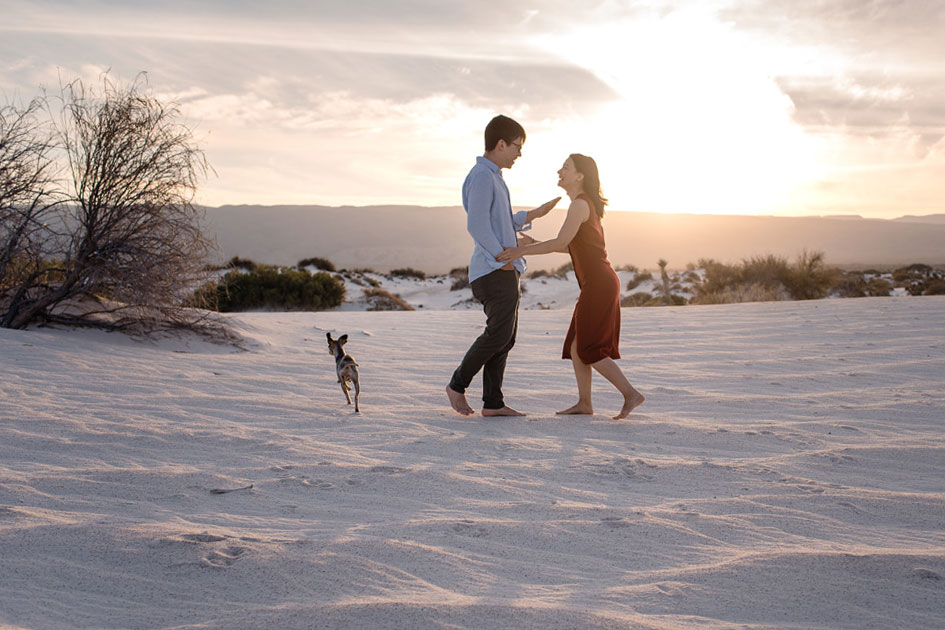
[[346, 368]]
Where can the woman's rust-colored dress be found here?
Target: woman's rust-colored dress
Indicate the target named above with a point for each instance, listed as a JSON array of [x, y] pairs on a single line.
[[596, 318]]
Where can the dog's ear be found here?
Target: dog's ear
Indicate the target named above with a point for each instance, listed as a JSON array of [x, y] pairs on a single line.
[[343, 339], [329, 337]]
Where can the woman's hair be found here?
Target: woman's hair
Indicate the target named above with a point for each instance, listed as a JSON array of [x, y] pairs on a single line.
[[588, 167], [502, 128]]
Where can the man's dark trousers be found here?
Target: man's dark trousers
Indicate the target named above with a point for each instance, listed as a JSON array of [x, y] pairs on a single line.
[[499, 293]]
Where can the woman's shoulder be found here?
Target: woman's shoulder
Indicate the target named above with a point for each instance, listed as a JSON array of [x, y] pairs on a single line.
[[582, 205]]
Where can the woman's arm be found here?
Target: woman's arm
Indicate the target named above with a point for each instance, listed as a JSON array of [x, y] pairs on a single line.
[[577, 214], [541, 210]]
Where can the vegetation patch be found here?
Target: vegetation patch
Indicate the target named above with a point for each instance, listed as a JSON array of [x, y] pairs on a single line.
[[382, 300], [319, 263], [408, 272], [282, 288]]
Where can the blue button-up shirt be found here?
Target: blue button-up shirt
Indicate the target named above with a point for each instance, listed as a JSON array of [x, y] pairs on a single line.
[[489, 218]]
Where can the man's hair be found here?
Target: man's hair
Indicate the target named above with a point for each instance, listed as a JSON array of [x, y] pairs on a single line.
[[502, 128]]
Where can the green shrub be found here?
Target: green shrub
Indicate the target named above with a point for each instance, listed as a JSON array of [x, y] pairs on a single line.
[[281, 288], [408, 272], [240, 263], [318, 263]]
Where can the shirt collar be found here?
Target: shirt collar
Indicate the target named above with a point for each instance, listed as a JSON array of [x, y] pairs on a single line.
[[489, 163]]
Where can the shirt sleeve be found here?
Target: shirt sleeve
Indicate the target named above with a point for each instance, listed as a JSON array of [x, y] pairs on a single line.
[[519, 219], [478, 213]]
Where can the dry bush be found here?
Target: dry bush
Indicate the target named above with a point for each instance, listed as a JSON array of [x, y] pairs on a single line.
[[383, 300], [29, 206], [130, 240], [766, 278]]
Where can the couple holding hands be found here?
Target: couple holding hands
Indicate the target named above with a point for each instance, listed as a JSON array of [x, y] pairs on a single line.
[[497, 264]]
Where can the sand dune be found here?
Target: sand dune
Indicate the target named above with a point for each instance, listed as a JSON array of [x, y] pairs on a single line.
[[785, 472]]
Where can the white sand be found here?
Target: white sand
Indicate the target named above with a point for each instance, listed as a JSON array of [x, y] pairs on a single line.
[[786, 471]]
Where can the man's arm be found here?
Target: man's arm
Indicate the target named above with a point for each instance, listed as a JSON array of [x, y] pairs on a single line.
[[479, 198]]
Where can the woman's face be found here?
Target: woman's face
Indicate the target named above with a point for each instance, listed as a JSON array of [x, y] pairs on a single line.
[[568, 176]]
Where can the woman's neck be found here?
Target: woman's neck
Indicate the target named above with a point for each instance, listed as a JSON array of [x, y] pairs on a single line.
[[573, 193]]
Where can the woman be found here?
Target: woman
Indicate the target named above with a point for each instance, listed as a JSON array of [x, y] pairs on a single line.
[[594, 333]]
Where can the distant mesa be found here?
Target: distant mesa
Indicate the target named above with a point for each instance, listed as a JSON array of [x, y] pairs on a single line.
[[434, 240]]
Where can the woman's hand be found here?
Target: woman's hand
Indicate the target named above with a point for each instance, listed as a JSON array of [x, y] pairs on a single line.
[[541, 210], [510, 254], [546, 207]]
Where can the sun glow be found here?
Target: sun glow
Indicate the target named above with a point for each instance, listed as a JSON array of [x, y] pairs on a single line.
[[697, 124]]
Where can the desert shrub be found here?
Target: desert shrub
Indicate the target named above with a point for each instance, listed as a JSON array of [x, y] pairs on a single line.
[[381, 300], [637, 299], [935, 286], [633, 283], [766, 278], [630, 268], [918, 278], [878, 287], [853, 284], [539, 273], [691, 277], [408, 272], [281, 288], [809, 278], [562, 271], [241, 263], [460, 276], [318, 263], [915, 271]]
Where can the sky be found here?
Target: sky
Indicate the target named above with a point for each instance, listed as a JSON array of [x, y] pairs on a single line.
[[815, 107]]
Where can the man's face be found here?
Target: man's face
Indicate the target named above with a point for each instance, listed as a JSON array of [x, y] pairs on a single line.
[[508, 152]]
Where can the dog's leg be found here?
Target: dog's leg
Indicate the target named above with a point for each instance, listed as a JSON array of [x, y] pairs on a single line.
[[344, 388], [357, 390]]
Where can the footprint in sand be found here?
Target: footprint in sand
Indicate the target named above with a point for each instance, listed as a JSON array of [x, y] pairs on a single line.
[[926, 574], [318, 483], [390, 470], [221, 559], [202, 538]]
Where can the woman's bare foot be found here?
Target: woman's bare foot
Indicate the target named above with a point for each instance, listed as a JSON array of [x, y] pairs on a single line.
[[458, 402], [630, 403], [579, 409], [504, 411]]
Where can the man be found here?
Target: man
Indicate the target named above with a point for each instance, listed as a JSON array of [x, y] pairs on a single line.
[[493, 226]]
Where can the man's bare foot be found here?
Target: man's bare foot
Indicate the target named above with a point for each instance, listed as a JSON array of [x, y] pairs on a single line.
[[579, 409], [630, 403], [504, 411], [458, 402]]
